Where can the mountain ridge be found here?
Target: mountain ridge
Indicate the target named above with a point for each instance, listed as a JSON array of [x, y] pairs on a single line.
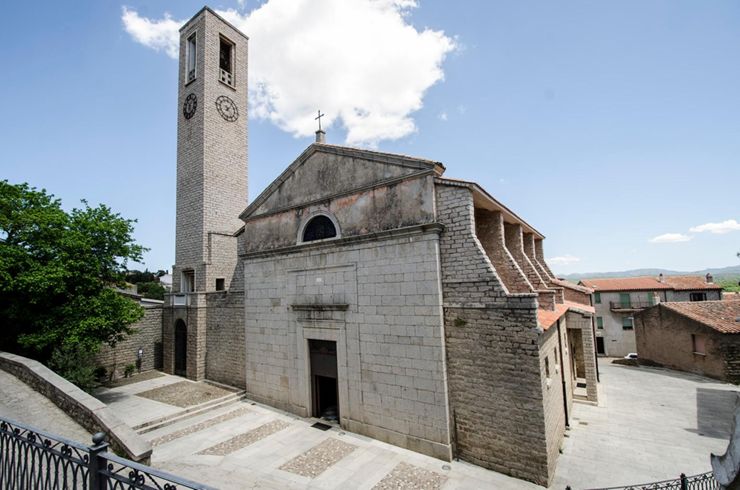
[[717, 272]]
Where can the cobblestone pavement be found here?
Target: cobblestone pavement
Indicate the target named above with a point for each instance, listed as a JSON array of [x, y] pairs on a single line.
[[19, 402], [651, 424], [319, 458], [405, 475], [185, 393]]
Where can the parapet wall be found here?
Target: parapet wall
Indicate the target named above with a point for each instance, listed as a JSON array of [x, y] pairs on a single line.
[[89, 412]]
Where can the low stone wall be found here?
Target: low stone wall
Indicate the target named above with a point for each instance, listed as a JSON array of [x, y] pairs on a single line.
[[147, 336], [89, 412]]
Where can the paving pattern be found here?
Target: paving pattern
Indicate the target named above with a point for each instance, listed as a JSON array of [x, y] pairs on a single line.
[[185, 393], [319, 458], [191, 429], [410, 477], [243, 440]]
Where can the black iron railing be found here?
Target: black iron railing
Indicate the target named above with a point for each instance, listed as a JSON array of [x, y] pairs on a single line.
[[630, 305], [34, 459], [704, 481]]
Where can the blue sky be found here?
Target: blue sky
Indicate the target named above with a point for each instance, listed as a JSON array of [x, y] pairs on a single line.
[[603, 124]]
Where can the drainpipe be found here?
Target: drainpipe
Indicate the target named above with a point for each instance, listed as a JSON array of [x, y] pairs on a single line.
[[562, 376], [593, 332], [596, 352]]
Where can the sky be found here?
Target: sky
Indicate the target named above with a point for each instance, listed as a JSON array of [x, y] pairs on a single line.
[[613, 128]]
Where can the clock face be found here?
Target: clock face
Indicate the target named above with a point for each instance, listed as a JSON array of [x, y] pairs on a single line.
[[190, 105], [227, 108]]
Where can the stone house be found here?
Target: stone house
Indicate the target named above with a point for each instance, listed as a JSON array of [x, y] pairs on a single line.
[[617, 299], [698, 337], [366, 288]]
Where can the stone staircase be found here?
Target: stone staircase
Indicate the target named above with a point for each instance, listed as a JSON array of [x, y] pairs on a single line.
[[187, 415]]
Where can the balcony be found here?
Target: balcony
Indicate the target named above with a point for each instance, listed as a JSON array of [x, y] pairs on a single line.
[[180, 299], [629, 305]]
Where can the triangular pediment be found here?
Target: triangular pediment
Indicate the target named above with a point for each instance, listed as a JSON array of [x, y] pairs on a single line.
[[326, 171]]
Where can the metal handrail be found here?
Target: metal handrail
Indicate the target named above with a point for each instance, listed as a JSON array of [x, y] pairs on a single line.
[[33, 458]]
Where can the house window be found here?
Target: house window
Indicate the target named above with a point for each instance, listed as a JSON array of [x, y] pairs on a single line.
[[187, 282], [226, 62], [628, 323], [191, 59], [698, 343], [624, 300], [547, 366], [220, 284], [319, 228], [597, 298], [600, 323], [698, 296]]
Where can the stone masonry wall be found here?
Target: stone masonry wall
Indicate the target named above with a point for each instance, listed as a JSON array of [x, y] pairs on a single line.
[[664, 337], [489, 231], [379, 299], [530, 249], [225, 344], [493, 363], [513, 238], [540, 254], [552, 389], [147, 336]]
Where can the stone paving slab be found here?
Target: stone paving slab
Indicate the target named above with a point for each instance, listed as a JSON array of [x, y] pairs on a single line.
[[185, 393], [21, 403], [245, 439], [319, 458], [191, 429], [411, 477]]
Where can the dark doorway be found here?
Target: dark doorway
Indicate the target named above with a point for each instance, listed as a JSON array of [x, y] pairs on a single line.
[[181, 348], [325, 387], [600, 345]]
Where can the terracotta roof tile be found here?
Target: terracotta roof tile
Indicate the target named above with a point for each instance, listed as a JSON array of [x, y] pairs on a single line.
[[648, 283], [547, 318], [721, 316]]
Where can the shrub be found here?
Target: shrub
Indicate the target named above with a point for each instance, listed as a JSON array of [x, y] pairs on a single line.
[[129, 370], [76, 365]]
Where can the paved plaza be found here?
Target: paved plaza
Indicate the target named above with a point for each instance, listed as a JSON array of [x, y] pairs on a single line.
[[651, 424]]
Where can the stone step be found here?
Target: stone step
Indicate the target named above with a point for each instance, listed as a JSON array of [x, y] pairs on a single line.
[[189, 412], [205, 417]]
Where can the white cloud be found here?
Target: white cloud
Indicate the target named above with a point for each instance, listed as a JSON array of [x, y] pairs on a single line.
[[564, 260], [442, 116], [359, 61], [160, 35], [671, 238], [717, 228]]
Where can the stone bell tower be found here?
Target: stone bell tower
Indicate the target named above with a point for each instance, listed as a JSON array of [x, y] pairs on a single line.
[[211, 181]]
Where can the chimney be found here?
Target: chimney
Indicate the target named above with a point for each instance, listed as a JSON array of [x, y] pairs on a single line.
[[660, 277], [320, 136], [710, 279]]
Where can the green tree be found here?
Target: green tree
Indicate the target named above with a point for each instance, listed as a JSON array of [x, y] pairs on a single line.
[[151, 290], [57, 270]]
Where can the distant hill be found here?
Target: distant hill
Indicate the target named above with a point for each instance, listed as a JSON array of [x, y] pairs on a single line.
[[718, 273]]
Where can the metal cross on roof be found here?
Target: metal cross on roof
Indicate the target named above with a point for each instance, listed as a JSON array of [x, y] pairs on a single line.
[[319, 118]]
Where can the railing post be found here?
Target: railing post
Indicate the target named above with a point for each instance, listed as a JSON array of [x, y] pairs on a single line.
[[684, 482], [97, 481]]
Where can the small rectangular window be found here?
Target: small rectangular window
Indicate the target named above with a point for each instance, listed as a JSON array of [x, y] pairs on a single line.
[[597, 298], [600, 323], [698, 296], [187, 281], [628, 323], [699, 346], [547, 366], [191, 58], [226, 62], [220, 284]]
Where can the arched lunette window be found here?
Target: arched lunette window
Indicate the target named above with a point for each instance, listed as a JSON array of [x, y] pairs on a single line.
[[320, 227]]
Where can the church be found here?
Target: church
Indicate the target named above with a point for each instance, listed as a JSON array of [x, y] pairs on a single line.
[[366, 288]]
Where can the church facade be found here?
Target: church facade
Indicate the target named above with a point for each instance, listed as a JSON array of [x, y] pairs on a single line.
[[366, 288]]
